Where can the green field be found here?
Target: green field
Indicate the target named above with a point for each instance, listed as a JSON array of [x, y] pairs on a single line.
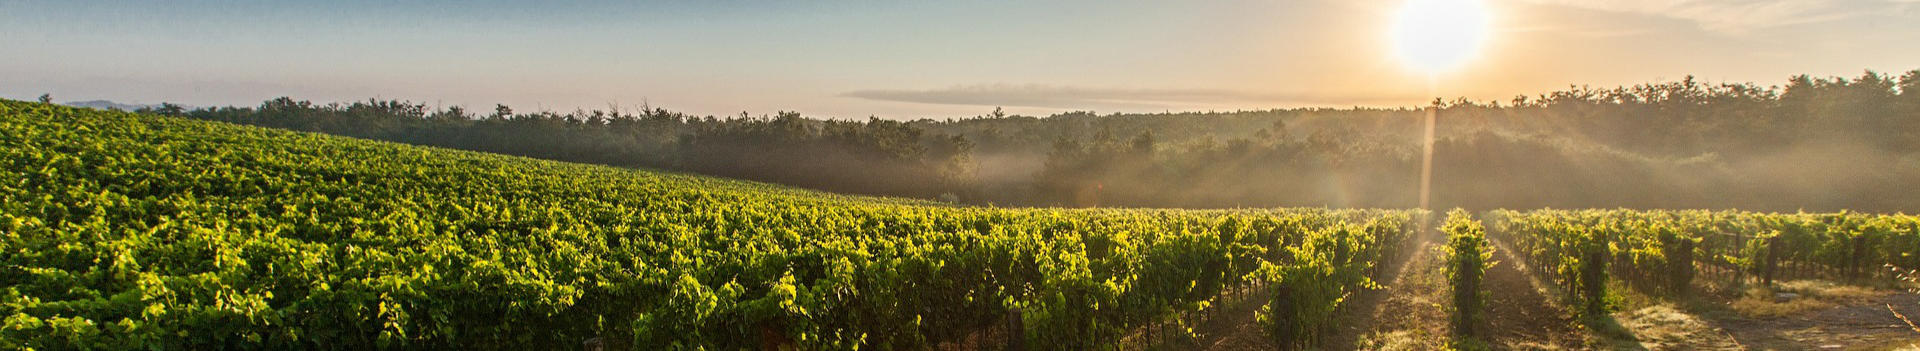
[[126, 231], [132, 231]]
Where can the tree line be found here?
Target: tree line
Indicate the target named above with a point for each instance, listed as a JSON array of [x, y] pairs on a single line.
[[872, 157], [1813, 143]]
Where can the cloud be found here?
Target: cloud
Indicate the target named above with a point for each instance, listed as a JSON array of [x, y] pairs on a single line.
[[1068, 97], [1737, 17], [1595, 33]]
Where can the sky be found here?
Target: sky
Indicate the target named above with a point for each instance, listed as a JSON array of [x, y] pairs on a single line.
[[910, 59]]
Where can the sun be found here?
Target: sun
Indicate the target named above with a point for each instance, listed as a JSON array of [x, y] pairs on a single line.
[[1437, 36]]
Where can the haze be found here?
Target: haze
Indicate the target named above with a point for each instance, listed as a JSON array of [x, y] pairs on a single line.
[[908, 60]]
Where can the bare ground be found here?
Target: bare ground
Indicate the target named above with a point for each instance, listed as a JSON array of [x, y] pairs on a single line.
[[1821, 318], [1412, 316], [1234, 329], [1521, 314], [1406, 301], [1238, 329], [1411, 312]]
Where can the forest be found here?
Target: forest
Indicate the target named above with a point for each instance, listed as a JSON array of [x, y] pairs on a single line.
[[1813, 143]]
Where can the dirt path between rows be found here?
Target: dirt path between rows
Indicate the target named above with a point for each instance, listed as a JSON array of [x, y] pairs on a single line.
[[1238, 328], [1410, 314], [1235, 329], [1411, 311], [1415, 310], [1520, 313]]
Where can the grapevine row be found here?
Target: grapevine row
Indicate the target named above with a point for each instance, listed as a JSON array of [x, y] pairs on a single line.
[[1676, 252], [122, 231]]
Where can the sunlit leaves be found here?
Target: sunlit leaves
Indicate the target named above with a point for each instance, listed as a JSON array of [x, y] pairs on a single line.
[[124, 231]]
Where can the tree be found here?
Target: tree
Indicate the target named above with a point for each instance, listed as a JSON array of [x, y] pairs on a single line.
[[170, 109], [1143, 143], [46, 98], [501, 112]]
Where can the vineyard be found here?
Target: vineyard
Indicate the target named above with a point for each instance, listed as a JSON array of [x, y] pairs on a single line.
[[126, 231], [129, 231], [1677, 253]]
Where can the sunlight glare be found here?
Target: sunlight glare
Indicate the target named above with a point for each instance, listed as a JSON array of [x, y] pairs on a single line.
[[1435, 36]]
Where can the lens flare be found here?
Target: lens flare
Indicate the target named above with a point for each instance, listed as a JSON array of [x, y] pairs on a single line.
[[1435, 36]]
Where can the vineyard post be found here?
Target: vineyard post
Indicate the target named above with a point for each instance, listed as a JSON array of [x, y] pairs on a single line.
[[1802, 268], [1148, 337], [1683, 267], [1593, 277], [1772, 260], [1859, 256], [1734, 250], [1016, 331], [1711, 262], [1719, 257]]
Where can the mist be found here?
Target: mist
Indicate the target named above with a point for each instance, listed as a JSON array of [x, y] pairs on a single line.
[[1816, 144]]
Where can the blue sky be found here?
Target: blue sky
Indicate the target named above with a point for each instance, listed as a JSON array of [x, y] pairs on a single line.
[[907, 59]]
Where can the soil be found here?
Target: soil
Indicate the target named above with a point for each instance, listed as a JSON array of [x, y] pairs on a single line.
[[1520, 314], [1410, 314], [1414, 314], [1238, 328], [1863, 324], [1235, 329], [1860, 326]]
